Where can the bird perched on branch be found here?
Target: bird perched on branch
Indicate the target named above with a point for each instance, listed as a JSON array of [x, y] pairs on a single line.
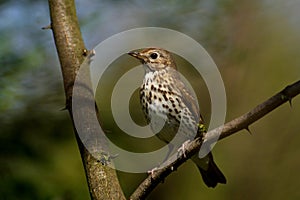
[[171, 109]]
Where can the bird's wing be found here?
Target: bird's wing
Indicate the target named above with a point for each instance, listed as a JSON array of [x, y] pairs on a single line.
[[188, 98]]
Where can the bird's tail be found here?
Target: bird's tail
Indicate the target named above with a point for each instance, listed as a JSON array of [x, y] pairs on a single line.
[[210, 172]]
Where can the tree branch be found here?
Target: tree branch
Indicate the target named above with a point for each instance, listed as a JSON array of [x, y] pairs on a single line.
[[226, 130], [102, 179]]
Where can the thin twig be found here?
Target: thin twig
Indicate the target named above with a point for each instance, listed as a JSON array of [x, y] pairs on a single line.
[[242, 122]]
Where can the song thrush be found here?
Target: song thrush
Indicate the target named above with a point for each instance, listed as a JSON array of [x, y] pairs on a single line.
[[171, 109]]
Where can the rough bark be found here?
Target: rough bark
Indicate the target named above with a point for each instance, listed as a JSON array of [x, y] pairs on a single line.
[[102, 179]]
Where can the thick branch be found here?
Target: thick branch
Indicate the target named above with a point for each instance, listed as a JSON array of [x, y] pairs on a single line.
[[102, 179], [226, 130]]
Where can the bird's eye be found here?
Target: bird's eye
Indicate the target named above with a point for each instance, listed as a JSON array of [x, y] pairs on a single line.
[[153, 55]]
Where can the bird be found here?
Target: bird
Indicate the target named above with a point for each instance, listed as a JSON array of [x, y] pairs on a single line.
[[171, 108]]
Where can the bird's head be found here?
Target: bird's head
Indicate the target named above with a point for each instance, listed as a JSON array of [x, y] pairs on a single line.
[[154, 58]]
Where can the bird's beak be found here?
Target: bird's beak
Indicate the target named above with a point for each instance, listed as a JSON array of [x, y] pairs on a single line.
[[137, 55]]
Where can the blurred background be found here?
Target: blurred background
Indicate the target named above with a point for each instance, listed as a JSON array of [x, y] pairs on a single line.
[[255, 44]]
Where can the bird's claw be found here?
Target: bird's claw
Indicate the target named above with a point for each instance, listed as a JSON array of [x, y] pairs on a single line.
[[183, 147], [152, 171]]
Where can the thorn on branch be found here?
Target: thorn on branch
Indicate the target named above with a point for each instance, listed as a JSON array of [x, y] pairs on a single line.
[[47, 27], [286, 97], [290, 102], [64, 108], [248, 130]]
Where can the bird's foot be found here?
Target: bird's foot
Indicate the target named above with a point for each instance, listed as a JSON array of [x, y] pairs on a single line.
[[183, 147], [152, 171]]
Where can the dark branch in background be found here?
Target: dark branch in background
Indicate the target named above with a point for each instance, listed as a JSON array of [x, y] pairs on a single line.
[[240, 123], [102, 180]]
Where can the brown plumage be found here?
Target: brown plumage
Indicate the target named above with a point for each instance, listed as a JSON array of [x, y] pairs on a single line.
[[171, 109]]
